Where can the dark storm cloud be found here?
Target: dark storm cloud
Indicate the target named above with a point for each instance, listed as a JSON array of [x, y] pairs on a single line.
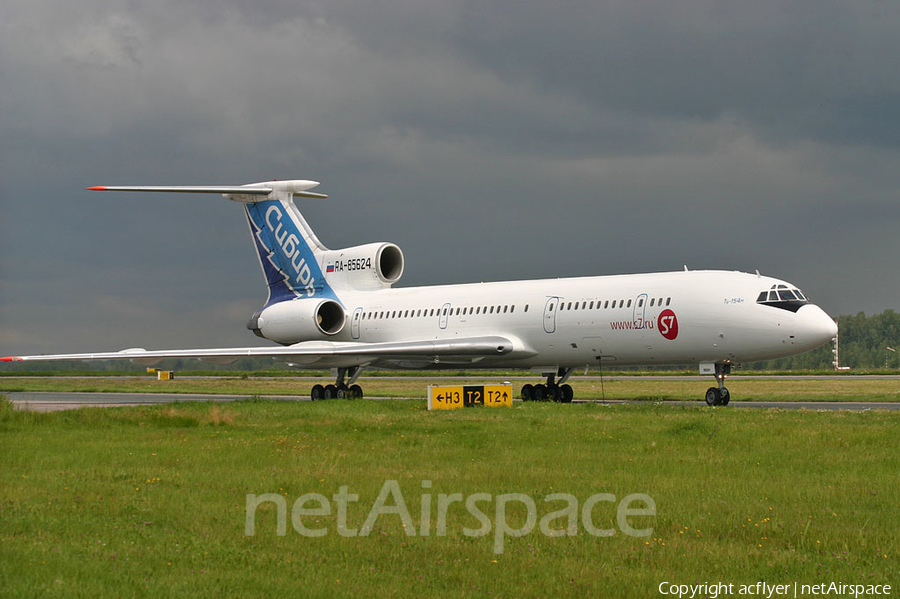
[[489, 140]]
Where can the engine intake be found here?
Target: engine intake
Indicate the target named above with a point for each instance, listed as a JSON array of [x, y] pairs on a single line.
[[390, 263]]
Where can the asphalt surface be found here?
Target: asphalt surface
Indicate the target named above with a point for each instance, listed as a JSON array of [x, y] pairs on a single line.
[[54, 401]]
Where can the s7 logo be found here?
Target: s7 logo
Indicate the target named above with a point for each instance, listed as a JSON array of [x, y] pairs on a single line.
[[667, 323]]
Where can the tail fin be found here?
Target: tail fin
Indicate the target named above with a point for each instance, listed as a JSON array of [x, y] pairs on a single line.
[[288, 249]]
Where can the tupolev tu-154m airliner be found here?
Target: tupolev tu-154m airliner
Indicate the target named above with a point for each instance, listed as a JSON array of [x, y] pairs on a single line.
[[338, 310]]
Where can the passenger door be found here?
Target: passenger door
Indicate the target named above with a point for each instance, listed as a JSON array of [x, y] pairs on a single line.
[[444, 317], [640, 306], [550, 310], [355, 323]]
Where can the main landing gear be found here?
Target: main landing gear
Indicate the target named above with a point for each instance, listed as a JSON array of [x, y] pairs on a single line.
[[340, 389], [552, 391], [719, 396]]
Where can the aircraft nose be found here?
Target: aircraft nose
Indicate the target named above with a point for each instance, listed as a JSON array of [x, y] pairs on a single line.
[[814, 326]]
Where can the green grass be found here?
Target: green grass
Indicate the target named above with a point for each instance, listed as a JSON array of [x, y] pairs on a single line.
[[150, 501], [834, 389]]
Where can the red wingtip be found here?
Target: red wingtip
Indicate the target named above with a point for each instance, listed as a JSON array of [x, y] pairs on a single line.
[[97, 188], [11, 359]]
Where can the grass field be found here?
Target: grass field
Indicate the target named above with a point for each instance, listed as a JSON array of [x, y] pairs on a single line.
[[758, 389], [151, 501]]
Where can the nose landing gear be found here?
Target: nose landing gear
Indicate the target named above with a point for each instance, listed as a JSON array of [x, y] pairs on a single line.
[[719, 396]]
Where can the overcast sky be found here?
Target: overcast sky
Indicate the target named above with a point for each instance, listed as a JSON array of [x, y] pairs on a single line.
[[489, 140]]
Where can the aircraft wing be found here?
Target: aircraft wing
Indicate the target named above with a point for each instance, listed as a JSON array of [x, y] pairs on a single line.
[[323, 354]]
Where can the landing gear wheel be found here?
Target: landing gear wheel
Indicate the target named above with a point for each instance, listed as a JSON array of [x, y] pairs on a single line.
[[331, 391], [566, 393], [553, 393], [540, 392], [725, 396], [527, 392], [713, 397], [355, 392], [317, 393], [342, 391]]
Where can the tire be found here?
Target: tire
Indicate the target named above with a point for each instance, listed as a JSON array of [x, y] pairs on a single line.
[[540, 393], [726, 397], [567, 394], [330, 392], [527, 392], [317, 393], [713, 397], [554, 393], [355, 392]]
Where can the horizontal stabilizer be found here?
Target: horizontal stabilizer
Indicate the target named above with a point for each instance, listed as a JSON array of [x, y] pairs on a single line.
[[253, 192]]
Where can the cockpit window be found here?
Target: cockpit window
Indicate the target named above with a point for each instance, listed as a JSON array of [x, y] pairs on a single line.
[[782, 296], [786, 295]]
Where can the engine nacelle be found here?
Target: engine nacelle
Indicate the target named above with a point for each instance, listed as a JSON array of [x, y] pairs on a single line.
[[363, 267], [298, 320]]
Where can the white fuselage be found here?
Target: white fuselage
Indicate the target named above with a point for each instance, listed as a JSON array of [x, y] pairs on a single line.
[[658, 318]]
